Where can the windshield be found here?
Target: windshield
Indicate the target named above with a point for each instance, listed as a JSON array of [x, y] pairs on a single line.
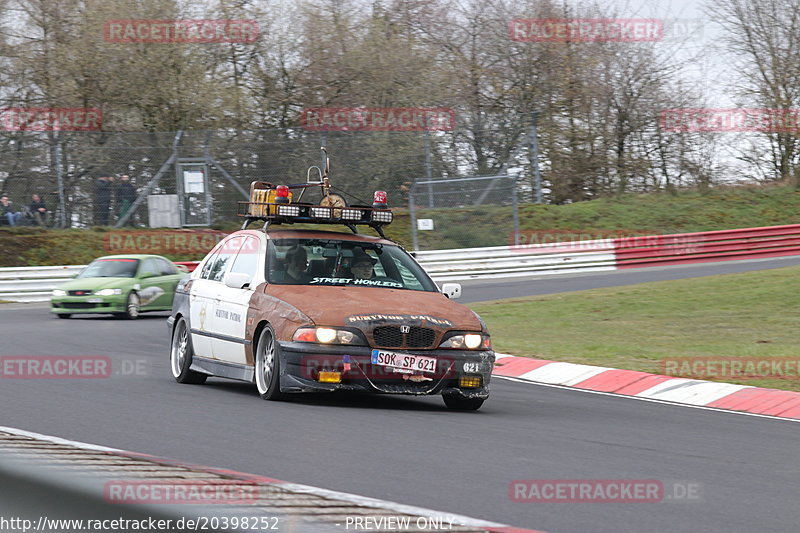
[[335, 262], [110, 268]]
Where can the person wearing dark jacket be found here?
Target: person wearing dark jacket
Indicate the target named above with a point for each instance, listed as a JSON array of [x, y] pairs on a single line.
[[126, 195], [39, 210], [102, 200], [9, 216]]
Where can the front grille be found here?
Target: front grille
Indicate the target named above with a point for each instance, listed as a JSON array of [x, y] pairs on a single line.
[[388, 336], [392, 337], [77, 305], [79, 293], [420, 337]]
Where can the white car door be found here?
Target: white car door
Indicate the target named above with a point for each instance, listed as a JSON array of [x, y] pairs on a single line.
[[232, 303], [201, 299]]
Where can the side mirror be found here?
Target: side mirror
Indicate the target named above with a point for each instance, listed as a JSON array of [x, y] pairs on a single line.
[[451, 290], [236, 280]]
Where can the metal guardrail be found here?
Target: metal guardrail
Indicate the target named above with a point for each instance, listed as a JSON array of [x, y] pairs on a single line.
[[512, 261], [34, 284]]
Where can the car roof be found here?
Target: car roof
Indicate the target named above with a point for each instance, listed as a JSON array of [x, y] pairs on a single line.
[[274, 233], [128, 256]]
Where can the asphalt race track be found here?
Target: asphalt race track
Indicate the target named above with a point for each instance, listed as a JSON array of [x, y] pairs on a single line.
[[478, 290], [412, 450]]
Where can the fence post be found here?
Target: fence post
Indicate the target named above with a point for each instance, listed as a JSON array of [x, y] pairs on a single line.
[[62, 204], [428, 170], [537, 177], [515, 207], [413, 215]]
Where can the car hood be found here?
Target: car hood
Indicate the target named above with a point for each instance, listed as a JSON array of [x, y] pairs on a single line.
[[332, 306], [95, 284]]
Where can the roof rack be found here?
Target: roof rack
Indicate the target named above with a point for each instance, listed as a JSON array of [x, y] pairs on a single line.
[[274, 213], [273, 204]]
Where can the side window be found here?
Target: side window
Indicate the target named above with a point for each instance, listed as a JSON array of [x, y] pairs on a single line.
[[209, 265], [167, 268], [246, 261], [226, 253], [149, 266], [409, 280]]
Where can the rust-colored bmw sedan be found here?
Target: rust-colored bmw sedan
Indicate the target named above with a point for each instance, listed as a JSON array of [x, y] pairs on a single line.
[[312, 311]]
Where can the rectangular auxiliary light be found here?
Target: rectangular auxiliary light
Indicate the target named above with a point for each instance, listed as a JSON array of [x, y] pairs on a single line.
[[330, 377], [382, 216], [320, 212], [351, 214], [289, 210], [469, 382]]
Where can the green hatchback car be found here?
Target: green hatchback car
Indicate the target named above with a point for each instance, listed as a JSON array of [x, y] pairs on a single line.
[[122, 285]]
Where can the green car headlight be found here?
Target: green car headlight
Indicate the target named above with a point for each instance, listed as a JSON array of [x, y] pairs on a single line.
[[108, 292], [59, 292]]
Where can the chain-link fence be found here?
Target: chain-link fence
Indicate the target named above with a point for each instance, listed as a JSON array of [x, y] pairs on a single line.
[[64, 168], [464, 212]]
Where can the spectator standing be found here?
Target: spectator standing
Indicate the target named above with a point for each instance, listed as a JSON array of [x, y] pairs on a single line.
[[41, 216], [102, 200], [126, 195], [7, 211]]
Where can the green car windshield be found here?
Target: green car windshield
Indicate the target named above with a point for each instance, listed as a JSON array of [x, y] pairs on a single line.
[[110, 268]]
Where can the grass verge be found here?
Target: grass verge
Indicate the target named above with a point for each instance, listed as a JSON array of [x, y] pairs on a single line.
[[745, 316]]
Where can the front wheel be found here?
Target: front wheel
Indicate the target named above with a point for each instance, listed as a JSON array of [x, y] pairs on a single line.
[[132, 307], [459, 403], [180, 356], [268, 366]]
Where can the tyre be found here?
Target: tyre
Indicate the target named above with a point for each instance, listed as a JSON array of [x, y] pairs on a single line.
[[268, 366], [63, 315], [180, 356], [132, 307], [458, 403]]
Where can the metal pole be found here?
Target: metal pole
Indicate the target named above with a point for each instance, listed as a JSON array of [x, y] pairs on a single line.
[[515, 207], [428, 169], [323, 142], [413, 213], [62, 204], [537, 177], [152, 183]]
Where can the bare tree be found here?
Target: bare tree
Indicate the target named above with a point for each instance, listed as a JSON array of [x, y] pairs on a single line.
[[765, 35]]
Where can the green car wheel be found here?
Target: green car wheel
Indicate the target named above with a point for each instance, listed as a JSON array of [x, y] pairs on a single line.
[[132, 307]]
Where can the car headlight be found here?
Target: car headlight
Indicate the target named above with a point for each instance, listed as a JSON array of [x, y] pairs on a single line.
[[59, 292], [108, 292], [326, 336], [467, 341]]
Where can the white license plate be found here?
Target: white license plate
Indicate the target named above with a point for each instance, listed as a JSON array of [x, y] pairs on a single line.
[[95, 300], [417, 363]]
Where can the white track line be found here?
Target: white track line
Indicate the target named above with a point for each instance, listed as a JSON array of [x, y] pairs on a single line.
[[653, 400]]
